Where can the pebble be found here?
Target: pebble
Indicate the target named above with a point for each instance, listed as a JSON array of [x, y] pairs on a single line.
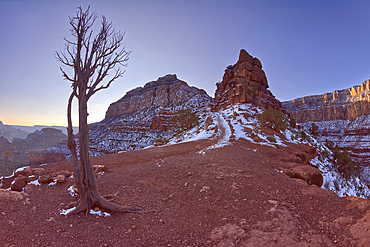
[[133, 227]]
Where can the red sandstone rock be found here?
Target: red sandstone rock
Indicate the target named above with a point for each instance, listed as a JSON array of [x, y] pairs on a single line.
[[19, 183], [305, 172], [26, 171], [38, 171], [45, 179], [6, 182], [166, 91], [65, 173], [244, 82], [349, 103], [309, 174], [61, 179]]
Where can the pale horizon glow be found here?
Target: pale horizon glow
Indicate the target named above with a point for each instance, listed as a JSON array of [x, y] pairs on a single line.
[[306, 48]]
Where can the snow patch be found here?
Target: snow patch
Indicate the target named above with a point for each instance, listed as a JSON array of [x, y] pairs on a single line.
[[35, 182], [71, 191], [66, 211], [99, 213]]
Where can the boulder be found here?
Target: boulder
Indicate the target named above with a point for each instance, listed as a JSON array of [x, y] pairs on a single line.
[[61, 179], [99, 168], [25, 171], [38, 171], [46, 179], [6, 195], [6, 182], [307, 173], [65, 173], [18, 183]]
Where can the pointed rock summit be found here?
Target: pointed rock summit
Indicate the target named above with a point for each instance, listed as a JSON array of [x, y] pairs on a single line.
[[244, 82]]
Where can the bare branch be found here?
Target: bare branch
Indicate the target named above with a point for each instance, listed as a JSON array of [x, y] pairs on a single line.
[[92, 58]]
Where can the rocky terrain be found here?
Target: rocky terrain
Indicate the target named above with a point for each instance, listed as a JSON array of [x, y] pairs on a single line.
[[341, 116], [31, 150], [153, 112], [232, 171]]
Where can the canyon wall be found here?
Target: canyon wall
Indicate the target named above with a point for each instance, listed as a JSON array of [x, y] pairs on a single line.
[[346, 104], [342, 117]]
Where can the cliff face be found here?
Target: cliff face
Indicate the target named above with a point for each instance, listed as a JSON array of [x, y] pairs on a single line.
[[244, 82], [342, 117], [346, 104], [167, 91], [144, 114]]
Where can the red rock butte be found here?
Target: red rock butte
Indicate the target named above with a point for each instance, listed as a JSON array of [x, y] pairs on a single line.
[[244, 82]]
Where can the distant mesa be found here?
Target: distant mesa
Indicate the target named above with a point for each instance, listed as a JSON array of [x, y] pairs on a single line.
[[9, 132], [31, 150]]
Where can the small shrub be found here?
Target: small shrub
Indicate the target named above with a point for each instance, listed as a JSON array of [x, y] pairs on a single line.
[[303, 135], [292, 122], [271, 138], [274, 119], [314, 129], [184, 120], [345, 165], [325, 154]]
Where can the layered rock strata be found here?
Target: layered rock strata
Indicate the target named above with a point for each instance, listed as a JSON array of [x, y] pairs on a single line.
[[342, 117], [244, 82], [144, 113], [167, 91], [346, 104]]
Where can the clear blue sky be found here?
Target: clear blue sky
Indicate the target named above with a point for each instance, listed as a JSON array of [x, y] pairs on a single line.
[[306, 47]]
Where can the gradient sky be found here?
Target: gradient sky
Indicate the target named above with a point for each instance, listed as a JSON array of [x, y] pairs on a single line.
[[306, 47]]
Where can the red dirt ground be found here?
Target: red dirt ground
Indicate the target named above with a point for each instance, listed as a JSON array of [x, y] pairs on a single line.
[[230, 196]]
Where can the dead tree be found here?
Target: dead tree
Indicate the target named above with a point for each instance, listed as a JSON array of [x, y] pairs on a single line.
[[92, 58]]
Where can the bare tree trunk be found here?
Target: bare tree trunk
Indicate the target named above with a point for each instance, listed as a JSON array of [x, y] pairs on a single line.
[[89, 195], [91, 59]]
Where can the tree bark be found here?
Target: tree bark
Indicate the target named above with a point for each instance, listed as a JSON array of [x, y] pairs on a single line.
[[101, 54]]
